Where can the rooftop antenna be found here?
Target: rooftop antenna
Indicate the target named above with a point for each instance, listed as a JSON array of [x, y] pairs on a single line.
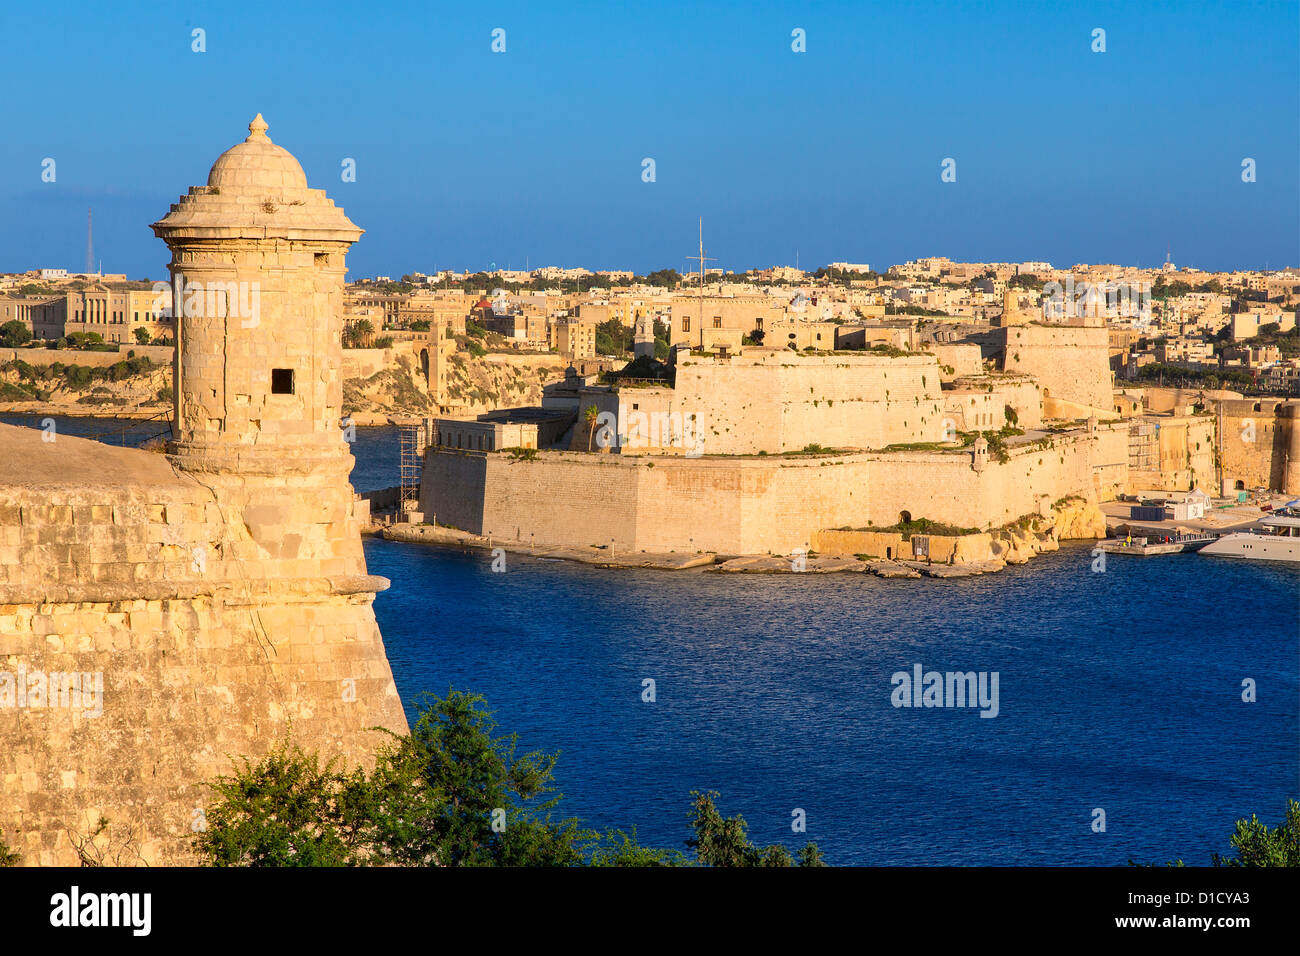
[[702, 258], [90, 243]]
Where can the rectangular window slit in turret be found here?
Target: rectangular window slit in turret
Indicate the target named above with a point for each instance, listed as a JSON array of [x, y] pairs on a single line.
[[281, 381]]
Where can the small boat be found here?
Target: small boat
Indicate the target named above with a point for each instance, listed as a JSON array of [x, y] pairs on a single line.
[[1278, 539]]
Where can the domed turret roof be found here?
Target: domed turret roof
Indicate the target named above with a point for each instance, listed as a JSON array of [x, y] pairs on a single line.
[[257, 164], [256, 190]]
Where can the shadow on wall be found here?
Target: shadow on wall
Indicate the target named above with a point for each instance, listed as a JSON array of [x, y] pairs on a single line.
[[460, 480]]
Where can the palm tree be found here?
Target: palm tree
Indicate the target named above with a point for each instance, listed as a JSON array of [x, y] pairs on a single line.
[[592, 415]]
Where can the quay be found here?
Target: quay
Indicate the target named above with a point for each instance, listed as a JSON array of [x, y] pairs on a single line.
[[1146, 547]]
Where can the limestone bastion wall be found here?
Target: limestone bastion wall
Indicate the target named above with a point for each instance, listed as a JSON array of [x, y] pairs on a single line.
[[1260, 445], [209, 645], [780, 401], [1069, 362], [735, 505]]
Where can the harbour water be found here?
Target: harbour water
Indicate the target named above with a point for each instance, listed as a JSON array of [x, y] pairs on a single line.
[[1119, 691]]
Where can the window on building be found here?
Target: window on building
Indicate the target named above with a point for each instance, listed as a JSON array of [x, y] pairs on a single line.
[[717, 322], [281, 381], [686, 325]]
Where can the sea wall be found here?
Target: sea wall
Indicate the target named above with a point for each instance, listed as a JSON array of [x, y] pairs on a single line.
[[741, 505]]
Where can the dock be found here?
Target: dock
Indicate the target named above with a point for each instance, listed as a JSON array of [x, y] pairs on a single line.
[[1145, 548]]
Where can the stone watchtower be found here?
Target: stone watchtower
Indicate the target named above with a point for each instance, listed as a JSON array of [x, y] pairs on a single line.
[[257, 282], [437, 353], [643, 336], [258, 263]]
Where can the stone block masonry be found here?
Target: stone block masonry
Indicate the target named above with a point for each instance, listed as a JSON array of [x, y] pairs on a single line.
[[742, 505]]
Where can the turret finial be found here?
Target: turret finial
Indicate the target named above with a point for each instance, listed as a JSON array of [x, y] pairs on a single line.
[[257, 129]]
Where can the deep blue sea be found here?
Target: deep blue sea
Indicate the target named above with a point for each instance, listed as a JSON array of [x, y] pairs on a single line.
[[1119, 691]]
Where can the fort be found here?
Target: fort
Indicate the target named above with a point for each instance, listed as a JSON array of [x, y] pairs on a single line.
[[220, 588], [769, 449]]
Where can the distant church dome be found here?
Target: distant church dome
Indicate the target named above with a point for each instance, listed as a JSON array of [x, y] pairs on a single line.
[[257, 164]]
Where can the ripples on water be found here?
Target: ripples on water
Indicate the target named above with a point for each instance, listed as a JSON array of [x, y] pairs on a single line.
[[1119, 690]]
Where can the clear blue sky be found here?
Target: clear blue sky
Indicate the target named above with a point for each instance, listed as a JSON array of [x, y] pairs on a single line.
[[467, 158]]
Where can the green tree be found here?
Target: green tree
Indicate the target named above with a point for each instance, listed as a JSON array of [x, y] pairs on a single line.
[[14, 334], [724, 841], [591, 415], [1256, 844], [286, 810], [668, 278], [622, 849], [492, 801], [357, 335], [141, 335], [451, 793]]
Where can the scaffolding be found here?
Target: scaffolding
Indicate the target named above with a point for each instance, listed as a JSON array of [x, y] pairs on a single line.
[[1143, 446], [410, 450], [412, 440]]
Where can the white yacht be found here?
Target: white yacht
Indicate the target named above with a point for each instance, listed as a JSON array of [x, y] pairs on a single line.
[[1278, 541]]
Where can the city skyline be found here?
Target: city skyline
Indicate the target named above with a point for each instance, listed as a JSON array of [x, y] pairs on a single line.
[[465, 158]]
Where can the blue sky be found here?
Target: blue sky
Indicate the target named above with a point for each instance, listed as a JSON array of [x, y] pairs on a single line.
[[467, 157]]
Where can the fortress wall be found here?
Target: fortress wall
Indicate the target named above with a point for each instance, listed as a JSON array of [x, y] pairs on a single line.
[[185, 685], [963, 359], [737, 408], [218, 623], [363, 363], [783, 402], [1069, 362], [980, 402], [1260, 445], [876, 544], [974, 410], [1187, 453], [1024, 396], [575, 500], [1110, 463], [159, 354], [737, 505]]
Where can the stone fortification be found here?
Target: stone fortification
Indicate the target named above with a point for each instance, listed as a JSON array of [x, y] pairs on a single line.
[[1070, 363], [754, 504]]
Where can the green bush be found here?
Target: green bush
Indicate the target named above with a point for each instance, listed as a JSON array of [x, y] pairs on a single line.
[[1256, 844], [14, 334]]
